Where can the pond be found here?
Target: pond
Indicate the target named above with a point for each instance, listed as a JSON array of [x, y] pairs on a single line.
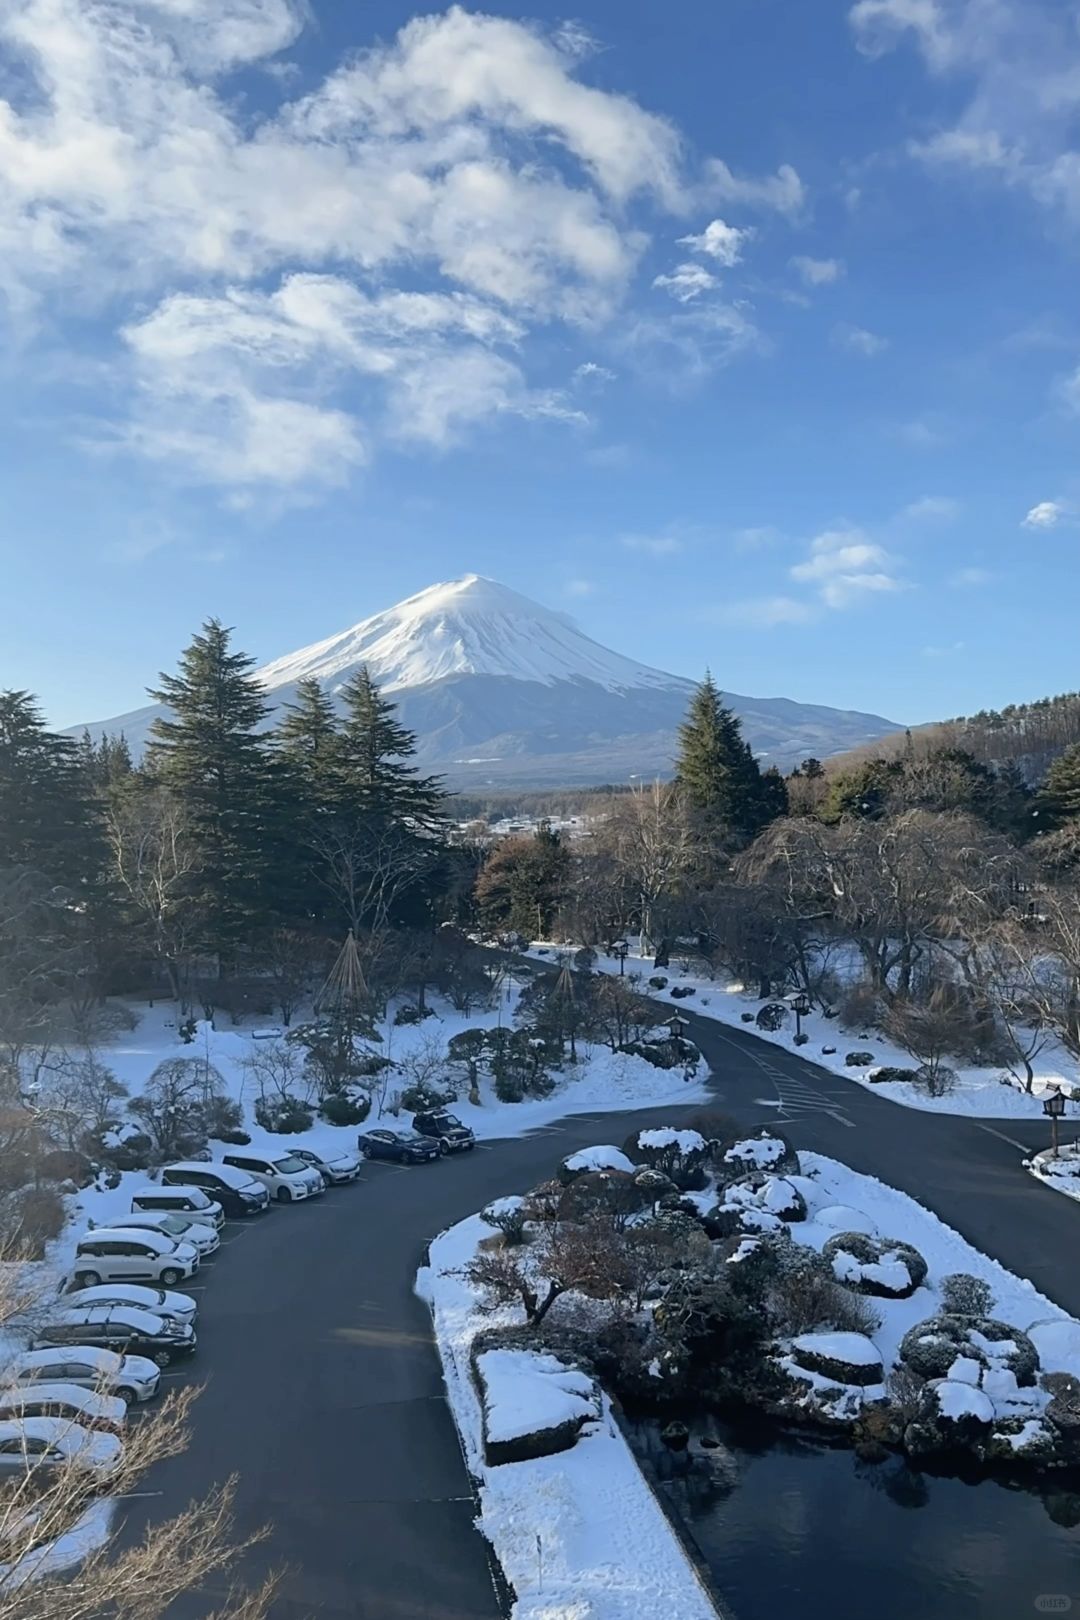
[[790, 1525]]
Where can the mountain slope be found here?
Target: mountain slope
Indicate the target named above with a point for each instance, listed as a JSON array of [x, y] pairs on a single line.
[[500, 690]]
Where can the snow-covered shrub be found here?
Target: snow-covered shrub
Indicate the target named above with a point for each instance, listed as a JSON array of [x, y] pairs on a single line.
[[884, 1267], [680, 992], [506, 1215], [283, 1115], [802, 1296], [766, 1151], [775, 1194], [235, 1138], [801, 1039], [964, 1295], [345, 1108], [746, 1018], [585, 1160], [934, 1347], [849, 1358], [680, 1154], [32, 1217], [658, 982], [222, 1115], [134, 1151], [424, 1096], [771, 1016], [936, 1079], [859, 1060], [889, 1075]]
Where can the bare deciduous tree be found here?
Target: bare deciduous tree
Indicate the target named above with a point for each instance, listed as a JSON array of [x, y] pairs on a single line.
[[154, 860]]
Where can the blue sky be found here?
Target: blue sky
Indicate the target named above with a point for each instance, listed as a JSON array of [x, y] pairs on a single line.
[[746, 331]]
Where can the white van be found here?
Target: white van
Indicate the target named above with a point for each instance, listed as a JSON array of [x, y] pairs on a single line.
[[133, 1254], [154, 1200], [285, 1177]]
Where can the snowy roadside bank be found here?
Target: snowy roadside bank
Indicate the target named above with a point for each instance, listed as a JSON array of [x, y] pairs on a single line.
[[578, 1535], [983, 1093], [1060, 1172]]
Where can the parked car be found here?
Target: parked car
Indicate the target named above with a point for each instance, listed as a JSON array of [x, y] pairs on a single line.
[[335, 1171], [27, 1444], [123, 1328], [155, 1200], [132, 1378], [70, 1402], [184, 1228], [124, 1254], [162, 1301], [286, 1177], [446, 1129], [238, 1194], [407, 1147]]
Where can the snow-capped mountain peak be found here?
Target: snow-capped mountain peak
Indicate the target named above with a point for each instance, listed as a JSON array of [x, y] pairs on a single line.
[[468, 626]]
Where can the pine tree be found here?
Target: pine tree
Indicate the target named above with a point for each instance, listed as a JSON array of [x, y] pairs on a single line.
[[1059, 797], [716, 768], [210, 754], [47, 814], [375, 752], [308, 733]]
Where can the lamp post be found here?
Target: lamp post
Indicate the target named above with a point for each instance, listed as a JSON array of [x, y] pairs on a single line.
[[1054, 1107], [621, 950], [678, 1025], [801, 1007]]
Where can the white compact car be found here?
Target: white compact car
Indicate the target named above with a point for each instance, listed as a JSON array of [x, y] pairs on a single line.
[[68, 1401], [162, 1301], [27, 1444], [131, 1254], [285, 1177], [132, 1378], [183, 1228]]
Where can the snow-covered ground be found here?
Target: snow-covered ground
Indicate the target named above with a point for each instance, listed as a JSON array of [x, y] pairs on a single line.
[[989, 1093], [601, 1081], [1060, 1171], [580, 1535]]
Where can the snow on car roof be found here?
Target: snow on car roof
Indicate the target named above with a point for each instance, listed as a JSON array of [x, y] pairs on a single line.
[[43, 1389], [107, 1360], [135, 1231]]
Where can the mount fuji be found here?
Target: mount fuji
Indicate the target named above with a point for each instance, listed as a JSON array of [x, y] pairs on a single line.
[[503, 692]]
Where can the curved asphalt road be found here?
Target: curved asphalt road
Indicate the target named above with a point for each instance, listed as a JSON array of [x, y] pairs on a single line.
[[323, 1389]]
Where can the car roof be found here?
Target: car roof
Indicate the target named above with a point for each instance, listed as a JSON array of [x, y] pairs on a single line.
[[171, 1190], [101, 1293], [48, 1389], [87, 1352], [92, 1315], [228, 1173], [51, 1429], [127, 1230]]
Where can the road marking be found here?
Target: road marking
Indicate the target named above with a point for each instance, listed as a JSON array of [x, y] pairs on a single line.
[[1023, 1146], [768, 1102], [137, 1496]]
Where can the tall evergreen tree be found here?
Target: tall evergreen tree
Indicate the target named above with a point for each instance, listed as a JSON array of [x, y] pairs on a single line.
[[47, 814], [376, 749], [308, 733], [1059, 797], [210, 754], [716, 768]]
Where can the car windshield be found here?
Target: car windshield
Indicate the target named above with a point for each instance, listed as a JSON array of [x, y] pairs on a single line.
[[290, 1164]]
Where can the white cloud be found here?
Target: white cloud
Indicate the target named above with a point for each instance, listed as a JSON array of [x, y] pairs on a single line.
[[932, 509], [969, 578], [685, 346], [465, 158], [593, 374], [1046, 515], [782, 193], [844, 566], [722, 242], [857, 340], [1017, 63], [817, 272], [765, 612], [655, 545], [687, 282]]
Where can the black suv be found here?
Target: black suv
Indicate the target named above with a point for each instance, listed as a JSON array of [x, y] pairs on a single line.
[[451, 1135], [126, 1329]]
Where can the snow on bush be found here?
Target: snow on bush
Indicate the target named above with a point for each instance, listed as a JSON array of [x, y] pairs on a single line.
[[603, 1157], [666, 1136]]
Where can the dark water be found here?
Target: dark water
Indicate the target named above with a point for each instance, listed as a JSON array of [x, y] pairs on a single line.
[[791, 1527]]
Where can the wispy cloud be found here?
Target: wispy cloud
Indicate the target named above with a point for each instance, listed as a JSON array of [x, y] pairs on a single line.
[[817, 272], [686, 282], [589, 372], [764, 612], [1046, 515], [782, 193], [845, 566], [653, 545], [858, 340], [932, 509]]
